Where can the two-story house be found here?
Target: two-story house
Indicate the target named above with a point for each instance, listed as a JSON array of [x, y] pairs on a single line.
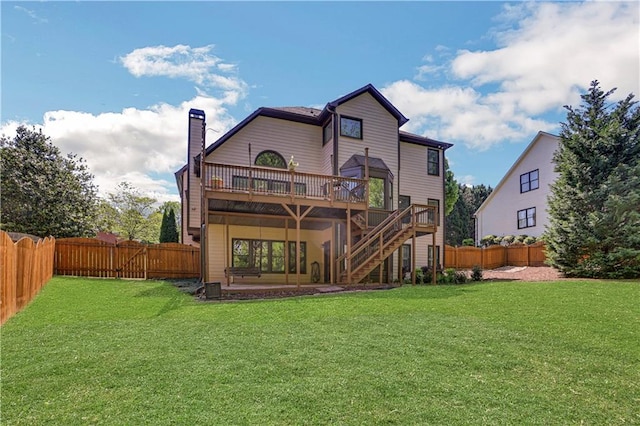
[[518, 204], [302, 195]]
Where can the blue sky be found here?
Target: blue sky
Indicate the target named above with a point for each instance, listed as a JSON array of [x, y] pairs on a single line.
[[113, 81]]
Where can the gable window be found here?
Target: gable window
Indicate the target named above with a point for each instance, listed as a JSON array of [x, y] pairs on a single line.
[[527, 218], [433, 162], [351, 127], [529, 181], [271, 159], [327, 133]]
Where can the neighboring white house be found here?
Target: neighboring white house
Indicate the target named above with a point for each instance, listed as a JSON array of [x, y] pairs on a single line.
[[518, 204]]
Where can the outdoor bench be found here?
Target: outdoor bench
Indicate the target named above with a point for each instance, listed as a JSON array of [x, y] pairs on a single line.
[[242, 271]]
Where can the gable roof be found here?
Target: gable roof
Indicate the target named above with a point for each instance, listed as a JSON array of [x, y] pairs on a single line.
[[377, 96], [317, 117], [309, 115], [515, 165]]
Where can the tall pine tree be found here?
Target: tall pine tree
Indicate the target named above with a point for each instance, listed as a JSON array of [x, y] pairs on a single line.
[[169, 228], [595, 202], [460, 223]]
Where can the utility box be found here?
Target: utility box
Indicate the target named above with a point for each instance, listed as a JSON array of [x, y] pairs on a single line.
[[213, 290]]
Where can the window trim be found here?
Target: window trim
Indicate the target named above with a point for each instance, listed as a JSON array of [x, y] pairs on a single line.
[[271, 151], [429, 162], [359, 120], [526, 218], [430, 256], [327, 132], [529, 180]]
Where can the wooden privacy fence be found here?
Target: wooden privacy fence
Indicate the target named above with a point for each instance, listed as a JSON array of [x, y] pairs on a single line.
[[88, 257], [494, 256], [25, 267]]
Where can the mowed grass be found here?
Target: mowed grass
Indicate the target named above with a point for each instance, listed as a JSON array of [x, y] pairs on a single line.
[[120, 352]]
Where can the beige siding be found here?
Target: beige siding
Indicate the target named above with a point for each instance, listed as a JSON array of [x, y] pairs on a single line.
[[327, 155], [379, 134], [218, 251], [420, 186], [288, 138]]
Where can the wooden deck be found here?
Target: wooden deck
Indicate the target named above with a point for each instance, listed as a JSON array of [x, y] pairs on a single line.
[[270, 185]]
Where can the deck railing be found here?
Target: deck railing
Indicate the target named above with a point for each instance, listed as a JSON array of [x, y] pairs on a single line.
[[285, 183], [386, 234]]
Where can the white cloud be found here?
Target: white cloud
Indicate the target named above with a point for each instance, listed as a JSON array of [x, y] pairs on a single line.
[[142, 146], [546, 55], [196, 64], [146, 146], [33, 15]]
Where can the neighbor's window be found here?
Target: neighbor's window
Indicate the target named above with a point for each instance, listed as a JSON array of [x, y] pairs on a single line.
[[271, 159], [351, 127], [327, 132], [527, 218], [433, 162], [529, 181]]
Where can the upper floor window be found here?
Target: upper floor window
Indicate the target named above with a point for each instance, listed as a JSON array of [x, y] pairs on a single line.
[[271, 159], [527, 218], [433, 162], [529, 181], [351, 127], [327, 132]]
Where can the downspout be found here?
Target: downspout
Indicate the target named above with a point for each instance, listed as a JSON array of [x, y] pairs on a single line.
[[334, 171], [203, 206], [444, 216]]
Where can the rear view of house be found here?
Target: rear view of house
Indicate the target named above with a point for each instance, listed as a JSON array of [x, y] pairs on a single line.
[[518, 204], [302, 195]]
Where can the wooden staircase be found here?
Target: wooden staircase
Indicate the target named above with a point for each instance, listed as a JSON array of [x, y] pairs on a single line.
[[379, 243]]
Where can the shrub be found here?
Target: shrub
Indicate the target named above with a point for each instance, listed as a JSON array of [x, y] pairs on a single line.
[[508, 239], [530, 240], [468, 242], [451, 276], [419, 276], [520, 238], [497, 241], [487, 240], [476, 273]]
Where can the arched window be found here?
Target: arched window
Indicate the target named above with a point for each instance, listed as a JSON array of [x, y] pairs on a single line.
[[271, 159]]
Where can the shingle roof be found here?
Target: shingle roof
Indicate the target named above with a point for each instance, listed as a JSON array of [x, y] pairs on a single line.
[[309, 112], [358, 160]]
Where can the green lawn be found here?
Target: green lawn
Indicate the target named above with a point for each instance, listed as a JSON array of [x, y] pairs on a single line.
[[117, 352]]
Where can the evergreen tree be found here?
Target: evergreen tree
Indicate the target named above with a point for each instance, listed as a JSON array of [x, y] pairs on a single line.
[[44, 192], [168, 229], [595, 202], [451, 189], [460, 223]]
